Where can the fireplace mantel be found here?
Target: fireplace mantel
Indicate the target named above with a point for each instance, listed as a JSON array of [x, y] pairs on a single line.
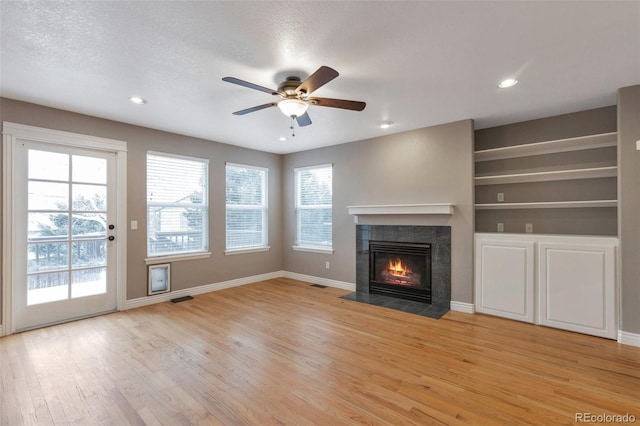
[[392, 209]]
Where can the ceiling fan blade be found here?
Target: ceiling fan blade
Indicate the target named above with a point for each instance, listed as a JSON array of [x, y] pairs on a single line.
[[303, 120], [255, 108], [338, 103], [322, 76], [249, 85]]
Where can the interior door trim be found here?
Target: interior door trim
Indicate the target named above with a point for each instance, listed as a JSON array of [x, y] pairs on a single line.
[[11, 133]]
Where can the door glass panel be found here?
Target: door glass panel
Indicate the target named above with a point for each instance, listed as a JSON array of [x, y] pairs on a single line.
[[48, 165], [89, 197], [89, 253], [89, 282], [47, 226], [44, 257], [43, 288], [89, 169], [89, 225], [48, 196]]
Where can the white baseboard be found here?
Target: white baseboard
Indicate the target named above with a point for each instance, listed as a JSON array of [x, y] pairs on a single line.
[[467, 308], [322, 281], [626, 338], [165, 297]]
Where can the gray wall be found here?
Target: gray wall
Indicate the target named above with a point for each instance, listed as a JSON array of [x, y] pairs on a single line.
[[584, 221], [629, 206], [432, 165], [139, 140], [423, 166]]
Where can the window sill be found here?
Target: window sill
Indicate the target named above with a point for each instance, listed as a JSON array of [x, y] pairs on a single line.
[[328, 250], [176, 258], [246, 250]]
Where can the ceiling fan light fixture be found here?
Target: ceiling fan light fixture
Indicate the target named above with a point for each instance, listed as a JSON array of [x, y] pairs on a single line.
[[293, 107], [509, 82], [137, 100]]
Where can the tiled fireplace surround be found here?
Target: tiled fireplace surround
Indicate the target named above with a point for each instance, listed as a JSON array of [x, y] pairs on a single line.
[[440, 239]]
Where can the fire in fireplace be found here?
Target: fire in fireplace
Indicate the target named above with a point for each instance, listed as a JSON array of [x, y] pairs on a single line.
[[399, 273], [400, 270]]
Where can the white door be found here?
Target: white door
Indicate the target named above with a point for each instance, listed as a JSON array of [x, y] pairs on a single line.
[[64, 224]]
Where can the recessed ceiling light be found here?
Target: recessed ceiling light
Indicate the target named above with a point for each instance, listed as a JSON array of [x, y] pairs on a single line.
[[137, 100], [386, 124], [509, 82], [282, 139]]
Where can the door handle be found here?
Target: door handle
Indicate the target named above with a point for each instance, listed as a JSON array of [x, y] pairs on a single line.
[[112, 226], [111, 238]]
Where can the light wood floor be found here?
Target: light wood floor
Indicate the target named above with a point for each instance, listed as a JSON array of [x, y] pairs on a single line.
[[282, 352]]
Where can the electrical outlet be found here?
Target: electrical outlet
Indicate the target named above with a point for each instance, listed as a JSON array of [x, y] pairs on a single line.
[[528, 227], [327, 264], [134, 224], [500, 197], [500, 227]]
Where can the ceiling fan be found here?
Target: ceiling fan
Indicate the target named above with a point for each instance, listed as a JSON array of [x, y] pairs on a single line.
[[296, 96]]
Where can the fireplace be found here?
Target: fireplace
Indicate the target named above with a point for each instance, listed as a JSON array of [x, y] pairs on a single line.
[[431, 244], [400, 269]]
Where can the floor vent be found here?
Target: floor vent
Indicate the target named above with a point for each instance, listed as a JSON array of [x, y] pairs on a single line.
[[318, 285], [181, 299]]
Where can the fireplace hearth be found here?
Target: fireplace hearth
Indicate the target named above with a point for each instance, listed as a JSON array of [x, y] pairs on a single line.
[[400, 270]]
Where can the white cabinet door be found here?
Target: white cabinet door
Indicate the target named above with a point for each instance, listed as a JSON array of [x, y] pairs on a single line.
[[576, 285], [504, 278]]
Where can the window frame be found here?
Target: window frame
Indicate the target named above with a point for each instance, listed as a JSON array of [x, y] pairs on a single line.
[[298, 245], [264, 208], [201, 253]]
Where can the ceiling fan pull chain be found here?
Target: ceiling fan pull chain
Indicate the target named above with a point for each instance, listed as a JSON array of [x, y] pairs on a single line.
[[293, 132]]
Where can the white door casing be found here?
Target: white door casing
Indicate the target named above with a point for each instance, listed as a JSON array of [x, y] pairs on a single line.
[[15, 134]]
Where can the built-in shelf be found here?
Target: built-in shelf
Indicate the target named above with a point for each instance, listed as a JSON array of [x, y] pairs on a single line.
[[590, 173], [442, 208], [549, 147], [548, 205]]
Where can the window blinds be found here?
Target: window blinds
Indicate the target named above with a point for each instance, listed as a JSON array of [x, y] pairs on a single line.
[[314, 204], [177, 204], [246, 206]]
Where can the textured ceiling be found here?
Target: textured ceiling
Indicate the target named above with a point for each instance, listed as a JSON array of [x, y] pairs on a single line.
[[415, 63]]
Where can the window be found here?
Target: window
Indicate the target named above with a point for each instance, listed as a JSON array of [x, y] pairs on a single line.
[[177, 205], [314, 192], [246, 201]]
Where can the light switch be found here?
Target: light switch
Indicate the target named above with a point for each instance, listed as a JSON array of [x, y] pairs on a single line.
[[134, 224], [638, 145]]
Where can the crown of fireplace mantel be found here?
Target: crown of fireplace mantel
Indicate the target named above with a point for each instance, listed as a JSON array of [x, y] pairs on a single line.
[[394, 209]]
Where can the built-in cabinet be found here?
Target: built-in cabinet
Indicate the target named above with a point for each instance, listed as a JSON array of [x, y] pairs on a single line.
[[566, 282], [546, 217]]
